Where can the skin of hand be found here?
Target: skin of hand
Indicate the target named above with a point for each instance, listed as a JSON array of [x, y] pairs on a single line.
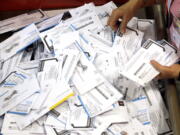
[[126, 12], [166, 72]]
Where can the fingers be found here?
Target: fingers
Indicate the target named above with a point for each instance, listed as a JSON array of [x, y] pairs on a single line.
[[124, 24], [164, 71], [157, 66], [116, 14]]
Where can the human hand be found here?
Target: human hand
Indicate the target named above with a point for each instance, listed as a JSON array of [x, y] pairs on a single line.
[[126, 12], [166, 72]]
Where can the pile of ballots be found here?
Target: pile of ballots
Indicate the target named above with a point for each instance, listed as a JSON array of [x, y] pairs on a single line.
[[71, 74]]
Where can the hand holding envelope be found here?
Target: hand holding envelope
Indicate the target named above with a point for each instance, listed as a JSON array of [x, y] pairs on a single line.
[[139, 68], [166, 72]]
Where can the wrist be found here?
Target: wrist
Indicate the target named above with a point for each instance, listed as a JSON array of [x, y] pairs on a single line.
[[176, 74]]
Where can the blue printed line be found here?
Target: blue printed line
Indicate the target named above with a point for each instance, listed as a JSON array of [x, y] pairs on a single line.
[[83, 106], [9, 84], [78, 45], [85, 40], [73, 27], [21, 75], [139, 98], [3, 94], [146, 123], [113, 36], [19, 113]]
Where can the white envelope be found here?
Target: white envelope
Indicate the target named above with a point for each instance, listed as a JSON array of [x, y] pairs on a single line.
[[18, 42], [21, 21], [10, 126], [15, 88]]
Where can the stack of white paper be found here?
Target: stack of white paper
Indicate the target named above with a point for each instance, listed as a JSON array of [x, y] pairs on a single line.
[[71, 74]]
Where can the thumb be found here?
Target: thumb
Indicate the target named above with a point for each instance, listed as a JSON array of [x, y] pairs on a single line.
[[157, 66], [116, 14]]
